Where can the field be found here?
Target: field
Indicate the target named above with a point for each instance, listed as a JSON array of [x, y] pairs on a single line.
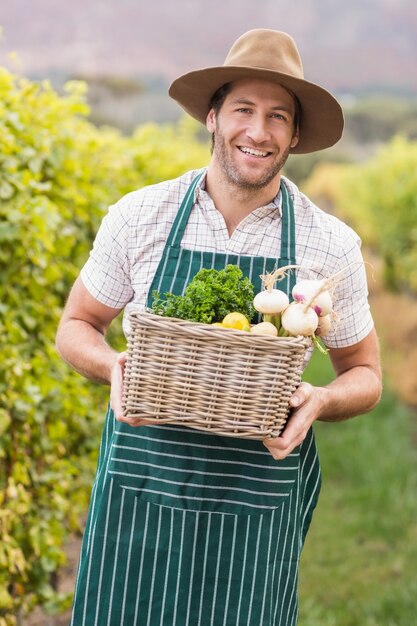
[[359, 562]]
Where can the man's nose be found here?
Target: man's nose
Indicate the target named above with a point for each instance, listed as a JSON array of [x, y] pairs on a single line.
[[257, 130]]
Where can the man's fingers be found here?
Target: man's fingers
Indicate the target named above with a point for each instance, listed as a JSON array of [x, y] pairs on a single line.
[[116, 391], [297, 425], [301, 395]]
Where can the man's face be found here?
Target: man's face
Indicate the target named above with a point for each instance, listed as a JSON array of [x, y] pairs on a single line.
[[253, 132]]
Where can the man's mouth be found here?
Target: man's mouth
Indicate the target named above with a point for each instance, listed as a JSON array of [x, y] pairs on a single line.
[[252, 152]]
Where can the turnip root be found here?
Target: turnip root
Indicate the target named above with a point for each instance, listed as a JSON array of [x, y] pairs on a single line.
[[271, 301], [299, 319], [264, 328], [318, 293], [314, 293], [324, 326], [310, 315]]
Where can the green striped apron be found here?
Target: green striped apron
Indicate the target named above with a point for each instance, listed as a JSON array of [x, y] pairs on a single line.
[[191, 529]]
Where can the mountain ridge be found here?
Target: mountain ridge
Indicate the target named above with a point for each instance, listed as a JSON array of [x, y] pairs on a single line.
[[345, 47]]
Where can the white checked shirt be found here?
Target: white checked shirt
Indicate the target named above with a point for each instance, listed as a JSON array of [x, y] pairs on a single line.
[[132, 236]]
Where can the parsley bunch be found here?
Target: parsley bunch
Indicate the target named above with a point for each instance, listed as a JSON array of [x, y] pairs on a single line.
[[209, 297]]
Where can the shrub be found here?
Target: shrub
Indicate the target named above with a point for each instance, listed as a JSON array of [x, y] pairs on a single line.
[[58, 174], [379, 199]]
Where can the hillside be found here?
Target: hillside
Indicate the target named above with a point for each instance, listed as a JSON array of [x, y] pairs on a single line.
[[347, 47]]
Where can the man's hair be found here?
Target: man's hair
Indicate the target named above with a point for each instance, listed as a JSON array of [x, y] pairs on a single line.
[[297, 110], [216, 103], [219, 96]]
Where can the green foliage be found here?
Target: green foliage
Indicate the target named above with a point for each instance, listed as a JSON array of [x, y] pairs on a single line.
[[379, 199], [162, 151], [58, 174], [299, 167], [369, 121], [379, 118], [209, 297], [358, 564]]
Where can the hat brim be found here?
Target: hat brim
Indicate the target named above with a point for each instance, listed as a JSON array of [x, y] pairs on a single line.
[[321, 124]]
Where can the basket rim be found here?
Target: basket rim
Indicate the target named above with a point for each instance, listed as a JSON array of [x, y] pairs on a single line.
[[216, 332]]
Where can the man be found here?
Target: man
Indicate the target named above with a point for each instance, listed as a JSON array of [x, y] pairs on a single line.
[[187, 528]]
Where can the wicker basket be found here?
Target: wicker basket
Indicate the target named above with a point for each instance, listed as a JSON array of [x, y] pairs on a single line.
[[222, 381]]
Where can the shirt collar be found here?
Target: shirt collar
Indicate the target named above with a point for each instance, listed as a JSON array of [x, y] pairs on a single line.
[[206, 202]]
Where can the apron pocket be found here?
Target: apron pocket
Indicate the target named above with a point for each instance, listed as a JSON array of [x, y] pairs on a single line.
[[181, 567], [187, 470]]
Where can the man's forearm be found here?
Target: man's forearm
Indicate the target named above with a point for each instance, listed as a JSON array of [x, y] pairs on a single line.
[[352, 393], [84, 348]]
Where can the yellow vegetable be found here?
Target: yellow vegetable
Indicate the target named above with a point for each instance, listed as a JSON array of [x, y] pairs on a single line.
[[237, 321]]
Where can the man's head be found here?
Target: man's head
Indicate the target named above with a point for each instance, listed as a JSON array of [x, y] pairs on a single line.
[[272, 56], [253, 126]]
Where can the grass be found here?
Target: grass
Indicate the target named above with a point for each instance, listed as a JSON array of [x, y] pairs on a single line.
[[359, 563]]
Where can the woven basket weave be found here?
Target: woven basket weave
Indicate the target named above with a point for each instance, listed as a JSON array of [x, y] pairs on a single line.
[[222, 381]]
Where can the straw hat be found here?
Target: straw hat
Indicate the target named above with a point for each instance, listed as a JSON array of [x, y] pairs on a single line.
[[270, 55]]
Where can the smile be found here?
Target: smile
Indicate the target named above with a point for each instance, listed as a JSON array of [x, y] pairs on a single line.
[[253, 152]]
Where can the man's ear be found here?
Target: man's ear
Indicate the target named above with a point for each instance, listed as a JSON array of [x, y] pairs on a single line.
[[295, 138], [211, 121]]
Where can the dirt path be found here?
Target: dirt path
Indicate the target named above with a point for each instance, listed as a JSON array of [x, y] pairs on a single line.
[[66, 583]]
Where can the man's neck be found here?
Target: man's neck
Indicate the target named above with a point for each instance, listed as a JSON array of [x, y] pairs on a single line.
[[234, 202]]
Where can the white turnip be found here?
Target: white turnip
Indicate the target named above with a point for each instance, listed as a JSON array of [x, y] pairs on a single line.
[[264, 328], [324, 325], [299, 319], [316, 294], [271, 301]]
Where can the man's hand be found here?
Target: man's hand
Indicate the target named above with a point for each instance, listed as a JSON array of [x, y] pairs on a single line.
[[306, 404], [116, 391], [355, 390]]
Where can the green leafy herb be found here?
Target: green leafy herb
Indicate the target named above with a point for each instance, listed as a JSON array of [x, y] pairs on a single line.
[[209, 297]]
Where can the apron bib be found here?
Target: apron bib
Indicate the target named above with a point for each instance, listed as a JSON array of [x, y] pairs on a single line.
[[178, 265], [192, 529]]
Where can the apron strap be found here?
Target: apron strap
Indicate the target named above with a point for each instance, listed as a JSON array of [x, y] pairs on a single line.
[[288, 220], [288, 225], [287, 253], [181, 219]]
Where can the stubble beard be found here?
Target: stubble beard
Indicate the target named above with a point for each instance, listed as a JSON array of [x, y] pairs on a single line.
[[238, 178]]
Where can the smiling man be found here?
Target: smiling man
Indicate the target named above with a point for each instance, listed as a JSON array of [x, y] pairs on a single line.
[[253, 133], [187, 528]]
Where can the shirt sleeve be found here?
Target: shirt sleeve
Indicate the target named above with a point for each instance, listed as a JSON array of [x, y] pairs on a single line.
[[352, 315], [106, 274]]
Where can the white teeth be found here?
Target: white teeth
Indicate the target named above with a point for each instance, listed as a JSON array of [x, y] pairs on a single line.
[[257, 153]]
